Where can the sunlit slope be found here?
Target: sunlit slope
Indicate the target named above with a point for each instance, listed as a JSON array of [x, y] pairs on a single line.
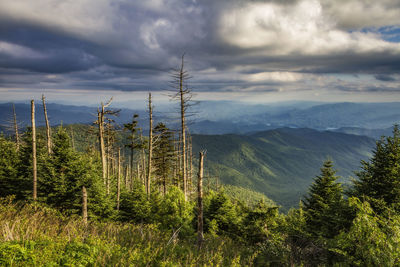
[[281, 163]]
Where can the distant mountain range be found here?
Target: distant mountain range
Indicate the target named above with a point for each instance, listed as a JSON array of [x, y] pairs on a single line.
[[281, 163], [221, 117]]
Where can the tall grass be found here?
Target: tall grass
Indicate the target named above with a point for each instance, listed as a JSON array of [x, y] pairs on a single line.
[[34, 235]]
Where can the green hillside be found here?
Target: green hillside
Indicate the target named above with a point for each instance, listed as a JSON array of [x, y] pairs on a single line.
[[278, 163], [281, 163]]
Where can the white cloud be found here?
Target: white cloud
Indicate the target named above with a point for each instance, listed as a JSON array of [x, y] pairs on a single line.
[[302, 29], [358, 14]]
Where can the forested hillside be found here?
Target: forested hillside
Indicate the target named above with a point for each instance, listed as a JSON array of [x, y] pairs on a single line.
[[109, 194], [281, 163]]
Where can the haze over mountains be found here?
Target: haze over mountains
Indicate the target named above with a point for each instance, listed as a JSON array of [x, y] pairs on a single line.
[[281, 163], [220, 117], [275, 149]]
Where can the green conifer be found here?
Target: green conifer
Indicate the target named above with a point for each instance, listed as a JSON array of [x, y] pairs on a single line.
[[324, 203], [379, 180]]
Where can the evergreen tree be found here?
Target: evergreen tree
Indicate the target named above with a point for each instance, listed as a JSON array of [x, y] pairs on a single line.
[[163, 155], [133, 138], [65, 175], [9, 162], [220, 215], [135, 206], [23, 183], [379, 180], [323, 205]]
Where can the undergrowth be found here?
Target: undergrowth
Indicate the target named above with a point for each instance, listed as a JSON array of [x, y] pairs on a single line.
[[32, 234]]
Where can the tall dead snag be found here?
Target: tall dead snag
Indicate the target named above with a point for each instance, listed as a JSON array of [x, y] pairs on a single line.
[[48, 134], [34, 166], [189, 165], [150, 154], [84, 205], [119, 178], [200, 236], [184, 95], [17, 142], [100, 121], [143, 159]]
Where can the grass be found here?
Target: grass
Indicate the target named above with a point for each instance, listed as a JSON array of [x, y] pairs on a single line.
[[35, 235]]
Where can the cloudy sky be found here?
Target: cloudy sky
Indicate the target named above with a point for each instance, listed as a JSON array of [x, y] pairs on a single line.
[[84, 51]]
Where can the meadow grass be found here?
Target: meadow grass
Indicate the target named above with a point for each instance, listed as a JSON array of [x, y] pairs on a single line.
[[32, 234]]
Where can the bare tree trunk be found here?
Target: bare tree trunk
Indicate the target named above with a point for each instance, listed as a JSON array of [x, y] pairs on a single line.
[[179, 160], [189, 166], [191, 162], [143, 165], [126, 176], [48, 134], [200, 236], [150, 147], [119, 178], [34, 166], [84, 205], [17, 142], [138, 172], [101, 143], [108, 165], [183, 127]]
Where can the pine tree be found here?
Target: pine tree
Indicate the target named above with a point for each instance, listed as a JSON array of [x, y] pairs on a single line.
[[66, 174], [8, 168], [323, 205], [379, 180], [133, 138], [163, 155]]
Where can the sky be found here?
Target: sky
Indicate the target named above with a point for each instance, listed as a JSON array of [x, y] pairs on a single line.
[[82, 52]]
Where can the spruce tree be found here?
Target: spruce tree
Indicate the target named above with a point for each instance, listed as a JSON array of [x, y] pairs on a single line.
[[163, 155], [323, 205], [379, 180], [65, 175], [9, 162]]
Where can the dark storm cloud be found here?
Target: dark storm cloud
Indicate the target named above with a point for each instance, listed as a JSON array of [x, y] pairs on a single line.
[[131, 45], [385, 78]]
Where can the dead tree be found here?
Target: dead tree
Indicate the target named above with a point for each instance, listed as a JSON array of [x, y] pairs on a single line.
[[101, 113], [143, 159], [119, 178], [84, 205], [150, 154], [48, 134], [34, 166], [184, 96], [17, 141], [200, 235], [133, 140]]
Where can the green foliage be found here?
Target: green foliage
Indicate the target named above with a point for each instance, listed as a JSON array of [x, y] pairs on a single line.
[[324, 203], [66, 172], [372, 240], [246, 196], [379, 179], [9, 162], [220, 214], [258, 223], [174, 212], [280, 163], [135, 206], [163, 155], [24, 181], [37, 236]]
